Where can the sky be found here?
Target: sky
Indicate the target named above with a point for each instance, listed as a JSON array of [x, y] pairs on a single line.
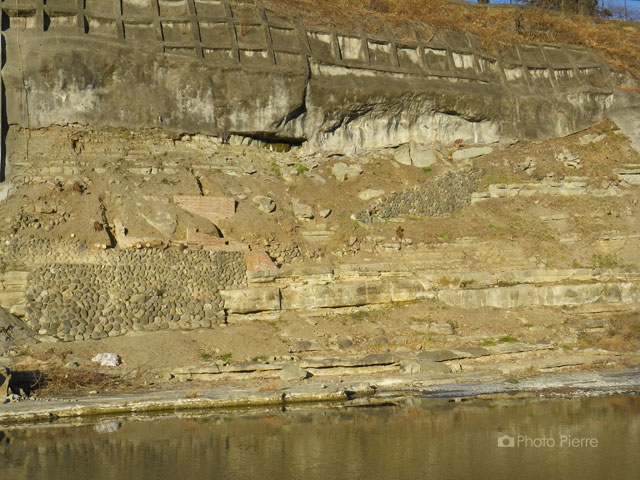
[[633, 6]]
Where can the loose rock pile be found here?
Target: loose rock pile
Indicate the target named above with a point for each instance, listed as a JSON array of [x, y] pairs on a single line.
[[440, 198], [279, 252], [43, 219]]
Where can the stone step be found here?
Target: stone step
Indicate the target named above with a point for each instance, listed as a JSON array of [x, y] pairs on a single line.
[[543, 295], [425, 271], [14, 280], [14, 301], [562, 189], [10, 298], [629, 175], [355, 285]]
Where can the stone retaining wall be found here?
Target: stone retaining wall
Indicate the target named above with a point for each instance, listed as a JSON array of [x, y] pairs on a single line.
[[117, 291]]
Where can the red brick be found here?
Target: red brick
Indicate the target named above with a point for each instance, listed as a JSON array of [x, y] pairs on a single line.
[[211, 208], [209, 242], [259, 261], [195, 236]]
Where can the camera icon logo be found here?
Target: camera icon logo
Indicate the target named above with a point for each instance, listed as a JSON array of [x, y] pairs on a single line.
[[505, 441]]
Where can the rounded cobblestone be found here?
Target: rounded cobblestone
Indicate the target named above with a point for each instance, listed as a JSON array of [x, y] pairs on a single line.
[[81, 295]]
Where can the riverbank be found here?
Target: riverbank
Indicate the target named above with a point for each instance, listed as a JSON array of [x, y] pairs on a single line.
[[491, 264], [364, 390], [370, 355], [401, 437]]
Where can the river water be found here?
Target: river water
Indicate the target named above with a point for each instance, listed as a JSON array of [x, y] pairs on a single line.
[[553, 438]]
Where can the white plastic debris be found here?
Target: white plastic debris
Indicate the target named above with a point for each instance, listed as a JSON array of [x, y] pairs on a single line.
[[107, 359], [108, 426]]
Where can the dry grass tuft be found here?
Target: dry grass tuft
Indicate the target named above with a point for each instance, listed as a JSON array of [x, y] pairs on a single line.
[[623, 335], [73, 382], [495, 25], [270, 386]]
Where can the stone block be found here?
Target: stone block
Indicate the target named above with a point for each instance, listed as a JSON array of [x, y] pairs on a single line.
[[421, 365], [251, 300], [317, 235], [546, 295], [293, 372], [433, 367], [5, 378], [406, 290], [350, 294], [302, 211], [18, 310], [344, 172], [265, 204], [262, 276], [164, 222], [402, 155], [12, 298], [325, 296], [438, 355], [370, 194], [440, 329], [423, 156], [319, 272], [469, 153], [374, 359], [14, 279], [628, 175], [472, 352]]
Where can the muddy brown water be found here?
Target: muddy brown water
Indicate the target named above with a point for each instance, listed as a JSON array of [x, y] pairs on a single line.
[[553, 438]]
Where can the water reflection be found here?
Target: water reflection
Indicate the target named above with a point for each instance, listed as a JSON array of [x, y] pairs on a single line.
[[426, 439]]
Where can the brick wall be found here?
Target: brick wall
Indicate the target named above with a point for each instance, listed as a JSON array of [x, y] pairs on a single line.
[[211, 208], [259, 261], [209, 242]]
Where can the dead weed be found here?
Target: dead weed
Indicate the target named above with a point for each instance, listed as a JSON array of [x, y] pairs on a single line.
[[497, 26], [75, 381]]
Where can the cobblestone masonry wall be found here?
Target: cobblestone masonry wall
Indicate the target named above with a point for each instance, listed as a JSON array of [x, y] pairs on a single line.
[[125, 290]]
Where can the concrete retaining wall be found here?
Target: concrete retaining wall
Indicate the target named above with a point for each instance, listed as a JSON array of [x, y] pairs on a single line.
[[225, 68], [228, 33]]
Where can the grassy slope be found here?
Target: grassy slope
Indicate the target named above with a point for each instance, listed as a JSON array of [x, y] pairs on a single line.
[[617, 41]]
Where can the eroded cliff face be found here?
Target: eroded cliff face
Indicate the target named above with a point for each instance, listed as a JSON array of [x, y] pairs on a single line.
[[225, 68], [121, 86]]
